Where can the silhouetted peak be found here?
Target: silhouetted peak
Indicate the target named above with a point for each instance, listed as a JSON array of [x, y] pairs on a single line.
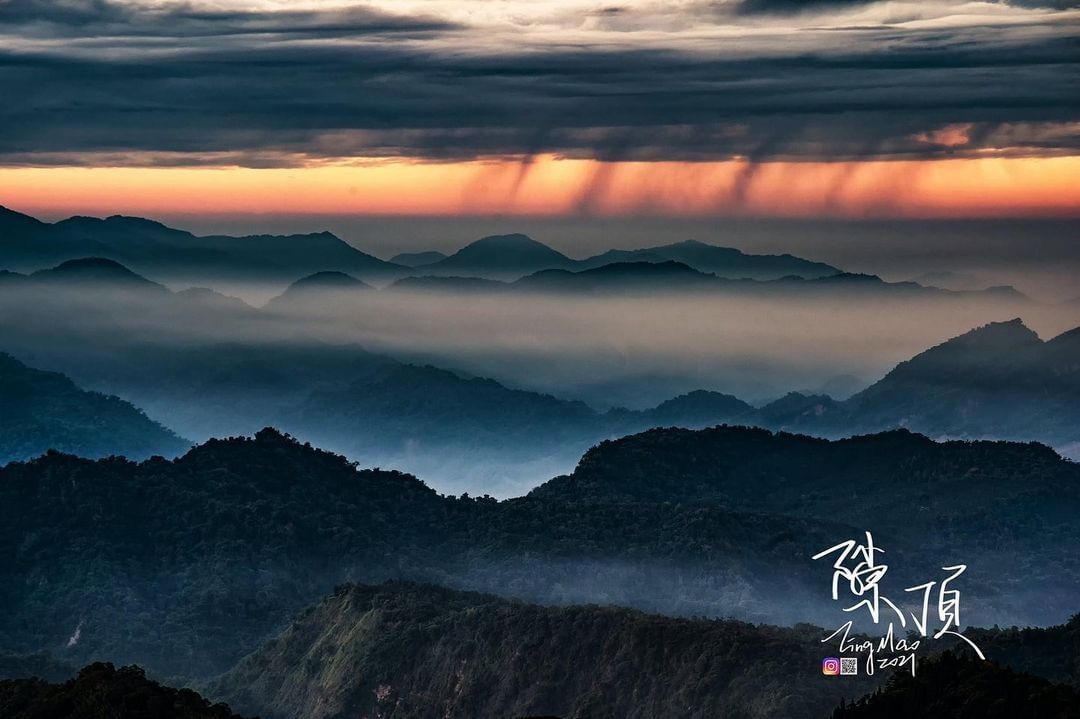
[[667, 267], [122, 224], [801, 398], [11, 218], [329, 279], [997, 334], [129, 221], [1069, 337], [272, 435], [513, 240], [506, 247], [97, 269], [101, 263], [703, 401], [268, 445]]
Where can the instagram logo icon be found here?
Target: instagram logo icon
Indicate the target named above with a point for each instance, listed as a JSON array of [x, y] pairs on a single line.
[[830, 666]]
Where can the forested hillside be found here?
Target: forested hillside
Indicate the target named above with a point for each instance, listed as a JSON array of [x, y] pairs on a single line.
[[45, 410], [100, 691], [951, 687], [406, 650], [236, 536]]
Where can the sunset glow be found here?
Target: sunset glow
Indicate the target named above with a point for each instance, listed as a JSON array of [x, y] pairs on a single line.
[[551, 186]]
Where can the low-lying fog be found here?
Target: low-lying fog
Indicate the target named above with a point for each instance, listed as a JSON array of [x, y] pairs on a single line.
[[160, 351], [638, 351]]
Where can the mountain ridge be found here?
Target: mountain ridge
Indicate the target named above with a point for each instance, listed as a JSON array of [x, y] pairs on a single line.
[[46, 411]]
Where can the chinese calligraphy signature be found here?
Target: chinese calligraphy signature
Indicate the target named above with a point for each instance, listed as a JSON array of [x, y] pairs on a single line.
[[858, 571]]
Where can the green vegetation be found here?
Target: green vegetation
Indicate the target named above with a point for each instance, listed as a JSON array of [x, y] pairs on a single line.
[[184, 566], [45, 410], [951, 687], [406, 650], [101, 691]]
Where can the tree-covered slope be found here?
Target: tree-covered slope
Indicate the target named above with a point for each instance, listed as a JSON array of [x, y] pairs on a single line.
[[952, 687], [237, 535], [999, 380], [407, 650], [1007, 510], [100, 691], [45, 410]]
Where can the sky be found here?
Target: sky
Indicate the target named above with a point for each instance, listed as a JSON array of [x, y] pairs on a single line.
[[568, 108]]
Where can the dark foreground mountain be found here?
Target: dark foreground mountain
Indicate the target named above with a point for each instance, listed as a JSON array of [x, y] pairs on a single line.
[[45, 410], [238, 535], [963, 687], [412, 650], [971, 501], [407, 650], [100, 691]]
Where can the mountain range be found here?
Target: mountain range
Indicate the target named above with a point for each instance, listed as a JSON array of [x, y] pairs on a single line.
[[149, 247], [514, 256], [238, 535], [621, 279], [403, 649], [408, 650], [1000, 381], [45, 411]]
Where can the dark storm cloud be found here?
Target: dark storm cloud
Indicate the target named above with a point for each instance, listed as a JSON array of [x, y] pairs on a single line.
[[82, 17], [787, 7], [794, 6], [262, 89]]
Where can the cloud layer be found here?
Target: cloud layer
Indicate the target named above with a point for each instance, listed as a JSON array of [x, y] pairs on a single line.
[[97, 80]]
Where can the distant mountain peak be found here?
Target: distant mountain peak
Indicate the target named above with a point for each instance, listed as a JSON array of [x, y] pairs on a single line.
[[119, 222], [95, 262], [329, 279], [512, 239], [1009, 332], [501, 256], [97, 269], [727, 262], [8, 215], [521, 246], [133, 220], [312, 287]]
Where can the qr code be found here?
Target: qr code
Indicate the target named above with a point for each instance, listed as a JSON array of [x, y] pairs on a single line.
[[849, 666]]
